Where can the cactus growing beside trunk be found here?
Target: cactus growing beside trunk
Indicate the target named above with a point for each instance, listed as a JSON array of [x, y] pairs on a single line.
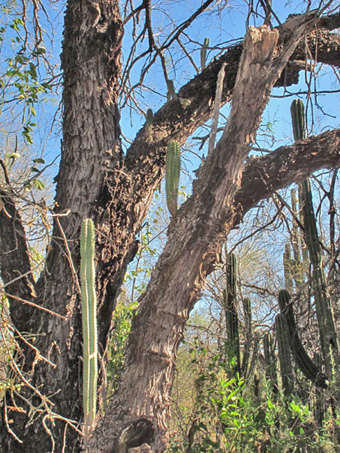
[[89, 322]]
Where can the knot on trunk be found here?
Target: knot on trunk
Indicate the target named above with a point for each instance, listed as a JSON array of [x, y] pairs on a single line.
[[137, 433]]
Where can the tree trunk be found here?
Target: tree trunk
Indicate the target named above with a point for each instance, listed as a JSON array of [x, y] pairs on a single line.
[[140, 409], [90, 149]]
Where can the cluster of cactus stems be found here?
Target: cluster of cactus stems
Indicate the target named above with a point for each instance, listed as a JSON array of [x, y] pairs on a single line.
[[172, 174], [89, 323], [328, 337], [289, 344]]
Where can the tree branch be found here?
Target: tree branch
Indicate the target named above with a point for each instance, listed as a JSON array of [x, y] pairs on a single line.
[[285, 165], [15, 265]]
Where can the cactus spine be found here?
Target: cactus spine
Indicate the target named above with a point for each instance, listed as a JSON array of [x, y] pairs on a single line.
[[89, 321], [282, 333], [324, 313], [172, 173]]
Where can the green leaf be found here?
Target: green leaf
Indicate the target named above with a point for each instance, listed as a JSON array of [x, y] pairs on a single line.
[[38, 184], [270, 404]]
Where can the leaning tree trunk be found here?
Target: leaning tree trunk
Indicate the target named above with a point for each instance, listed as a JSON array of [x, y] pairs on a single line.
[[139, 411]]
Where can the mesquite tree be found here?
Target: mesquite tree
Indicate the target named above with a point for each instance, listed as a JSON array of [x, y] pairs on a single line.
[[96, 180]]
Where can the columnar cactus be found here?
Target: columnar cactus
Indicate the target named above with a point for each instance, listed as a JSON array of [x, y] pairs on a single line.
[[172, 173], [319, 397], [230, 309], [287, 268], [328, 337], [89, 321], [302, 359], [204, 52], [297, 268], [324, 313], [247, 337], [297, 110], [270, 361], [283, 340]]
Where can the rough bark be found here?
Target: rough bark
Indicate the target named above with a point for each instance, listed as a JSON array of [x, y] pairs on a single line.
[[14, 260], [200, 227]]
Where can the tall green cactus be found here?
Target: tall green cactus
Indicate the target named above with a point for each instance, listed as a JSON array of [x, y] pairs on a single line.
[[297, 110], [287, 268], [297, 268], [283, 340], [172, 173], [89, 321], [231, 316], [302, 359], [328, 337]]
